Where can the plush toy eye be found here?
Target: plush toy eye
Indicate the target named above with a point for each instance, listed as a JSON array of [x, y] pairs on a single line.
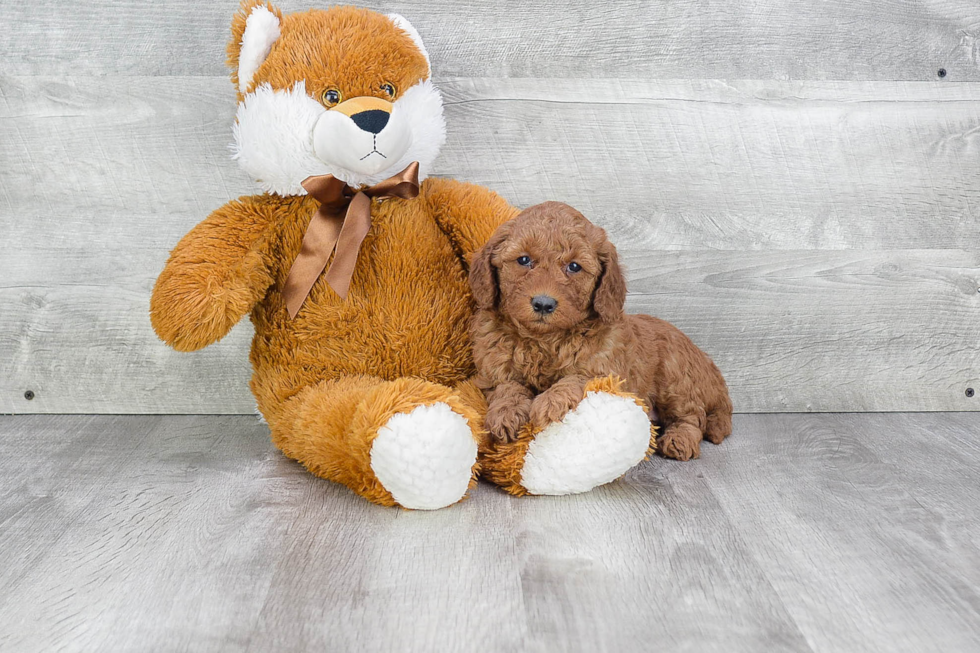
[[574, 267], [389, 90], [331, 97], [524, 260]]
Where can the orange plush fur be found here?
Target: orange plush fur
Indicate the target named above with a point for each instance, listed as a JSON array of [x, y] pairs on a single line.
[[327, 380], [503, 459], [535, 364], [349, 49], [373, 391]]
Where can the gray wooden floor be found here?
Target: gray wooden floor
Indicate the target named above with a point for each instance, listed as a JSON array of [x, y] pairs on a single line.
[[803, 532]]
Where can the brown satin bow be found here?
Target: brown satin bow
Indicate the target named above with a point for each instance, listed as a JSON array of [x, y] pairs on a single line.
[[342, 221]]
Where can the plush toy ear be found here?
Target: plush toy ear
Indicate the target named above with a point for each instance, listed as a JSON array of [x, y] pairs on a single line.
[[405, 26], [253, 31], [610, 292], [483, 276]]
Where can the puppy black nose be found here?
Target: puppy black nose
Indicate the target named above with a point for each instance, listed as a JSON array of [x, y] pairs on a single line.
[[373, 120], [544, 304]]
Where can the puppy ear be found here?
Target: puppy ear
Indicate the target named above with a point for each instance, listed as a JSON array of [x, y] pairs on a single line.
[[254, 29], [610, 291], [483, 276]]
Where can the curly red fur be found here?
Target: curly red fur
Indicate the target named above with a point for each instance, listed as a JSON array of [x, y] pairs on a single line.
[[534, 366]]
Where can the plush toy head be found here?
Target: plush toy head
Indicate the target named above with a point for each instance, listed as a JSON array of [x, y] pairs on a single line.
[[341, 91]]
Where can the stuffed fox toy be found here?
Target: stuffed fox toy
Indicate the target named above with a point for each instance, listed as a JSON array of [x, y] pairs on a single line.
[[353, 266]]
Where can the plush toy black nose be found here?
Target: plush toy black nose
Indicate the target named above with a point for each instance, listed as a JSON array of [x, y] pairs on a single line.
[[372, 121], [544, 304]]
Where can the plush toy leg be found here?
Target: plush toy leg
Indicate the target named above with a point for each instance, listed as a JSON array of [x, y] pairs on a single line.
[[406, 442], [601, 439]]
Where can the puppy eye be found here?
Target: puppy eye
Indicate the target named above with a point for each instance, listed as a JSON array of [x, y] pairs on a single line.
[[331, 97], [574, 267], [524, 260], [389, 90]]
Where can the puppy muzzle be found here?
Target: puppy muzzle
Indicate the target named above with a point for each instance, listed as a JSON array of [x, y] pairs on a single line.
[[544, 304]]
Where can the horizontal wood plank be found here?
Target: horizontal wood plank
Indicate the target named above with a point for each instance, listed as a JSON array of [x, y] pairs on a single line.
[[664, 165], [792, 331], [737, 203], [577, 39], [732, 165], [824, 331]]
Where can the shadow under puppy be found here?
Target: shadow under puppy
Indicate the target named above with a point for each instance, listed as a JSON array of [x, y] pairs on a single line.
[[550, 294]]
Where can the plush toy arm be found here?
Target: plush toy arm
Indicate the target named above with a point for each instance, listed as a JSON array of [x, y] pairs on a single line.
[[214, 276], [467, 213]]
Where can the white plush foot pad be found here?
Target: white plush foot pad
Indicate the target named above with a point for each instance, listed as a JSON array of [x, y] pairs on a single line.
[[594, 444], [425, 458]]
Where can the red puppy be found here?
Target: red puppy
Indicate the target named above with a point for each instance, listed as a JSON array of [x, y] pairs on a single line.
[[550, 296]]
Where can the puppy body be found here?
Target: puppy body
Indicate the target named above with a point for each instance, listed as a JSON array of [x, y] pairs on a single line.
[[534, 364]]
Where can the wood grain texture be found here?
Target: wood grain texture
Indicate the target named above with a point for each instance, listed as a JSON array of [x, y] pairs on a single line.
[[816, 331], [193, 533], [664, 164], [99, 180], [733, 165], [792, 331], [851, 519], [864, 40], [821, 228]]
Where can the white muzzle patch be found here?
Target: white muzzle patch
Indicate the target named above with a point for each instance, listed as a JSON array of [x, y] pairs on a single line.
[[284, 136], [362, 145]]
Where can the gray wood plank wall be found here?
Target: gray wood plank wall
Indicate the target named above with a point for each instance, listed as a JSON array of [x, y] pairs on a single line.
[[794, 185]]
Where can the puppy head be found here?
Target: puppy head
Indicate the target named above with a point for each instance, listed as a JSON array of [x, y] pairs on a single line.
[[341, 91], [549, 269]]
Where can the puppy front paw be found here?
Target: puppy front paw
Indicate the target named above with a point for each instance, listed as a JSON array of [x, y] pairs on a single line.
[[505, 422], [552, 405], [680, 442]]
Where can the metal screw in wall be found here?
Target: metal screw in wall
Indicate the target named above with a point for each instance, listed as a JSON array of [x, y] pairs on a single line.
[[969, 392], [29, 395], [941, 73]]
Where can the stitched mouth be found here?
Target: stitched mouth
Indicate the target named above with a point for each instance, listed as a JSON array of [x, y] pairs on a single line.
[[374, 150]]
